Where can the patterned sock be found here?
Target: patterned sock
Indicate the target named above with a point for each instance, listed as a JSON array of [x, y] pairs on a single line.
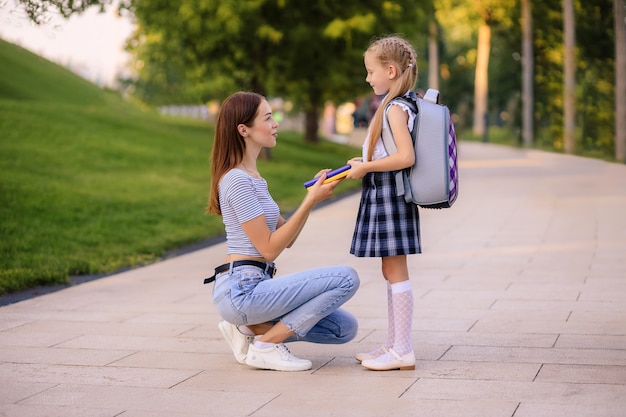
[[402, 295]]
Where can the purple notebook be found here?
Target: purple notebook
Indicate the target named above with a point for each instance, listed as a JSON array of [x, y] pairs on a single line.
[[331, 176]]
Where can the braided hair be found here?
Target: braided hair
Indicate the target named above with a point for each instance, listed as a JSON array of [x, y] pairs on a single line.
[[396, 51]]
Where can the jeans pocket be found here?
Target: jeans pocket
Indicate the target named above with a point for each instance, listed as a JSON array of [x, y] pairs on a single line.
[[248, 278]]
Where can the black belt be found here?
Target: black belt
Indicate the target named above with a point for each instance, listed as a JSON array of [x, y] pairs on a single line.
[[269, 268]]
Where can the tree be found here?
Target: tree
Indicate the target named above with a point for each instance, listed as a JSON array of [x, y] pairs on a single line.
[[620, 81], [38, 11], [569, 73], [527, 74], [308, 53], [481, 79], [433, 51], [468, 58]]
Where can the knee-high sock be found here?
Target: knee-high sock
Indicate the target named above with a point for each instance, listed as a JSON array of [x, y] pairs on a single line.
[[402, 299]]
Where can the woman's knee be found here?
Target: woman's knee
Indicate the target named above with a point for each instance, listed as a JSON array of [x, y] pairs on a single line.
[[351, 278], [349, 327]]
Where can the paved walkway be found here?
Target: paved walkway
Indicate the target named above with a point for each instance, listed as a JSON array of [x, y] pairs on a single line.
[[520, 310]]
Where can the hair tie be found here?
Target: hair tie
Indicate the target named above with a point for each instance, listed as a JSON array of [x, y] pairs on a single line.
[[410, 65]]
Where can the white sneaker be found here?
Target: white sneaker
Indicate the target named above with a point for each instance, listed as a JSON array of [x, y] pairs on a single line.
[[277, 358], [237, 341]]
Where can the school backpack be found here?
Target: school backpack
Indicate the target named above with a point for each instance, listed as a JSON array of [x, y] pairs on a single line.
[[433, 181]]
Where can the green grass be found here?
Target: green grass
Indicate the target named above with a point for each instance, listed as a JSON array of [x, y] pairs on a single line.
[[91, 184]]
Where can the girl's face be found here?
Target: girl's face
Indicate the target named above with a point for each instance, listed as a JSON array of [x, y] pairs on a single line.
[[264, 128], [380, 77]]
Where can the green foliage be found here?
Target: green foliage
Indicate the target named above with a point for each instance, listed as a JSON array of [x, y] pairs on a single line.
[[459, 20], [90, 184], [595, 75], [192, 51], [595, 68], [39, 11], [306, 52]]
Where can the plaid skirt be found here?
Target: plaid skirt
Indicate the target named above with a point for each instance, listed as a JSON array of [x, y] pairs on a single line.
[[386, 224]]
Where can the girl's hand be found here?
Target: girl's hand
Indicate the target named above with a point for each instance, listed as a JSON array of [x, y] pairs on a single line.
[[357, 170]]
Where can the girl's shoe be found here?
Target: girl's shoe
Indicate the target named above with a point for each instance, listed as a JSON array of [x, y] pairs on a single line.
[[391, 360], [371, 355]]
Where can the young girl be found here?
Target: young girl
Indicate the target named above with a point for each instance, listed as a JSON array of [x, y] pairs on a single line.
[[303, 306], [387, 226]]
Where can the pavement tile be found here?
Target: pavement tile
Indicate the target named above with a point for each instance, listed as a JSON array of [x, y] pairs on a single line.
[[591, 342], [98, 375], [205, 361], [486, 339], [537, 355], [490, 371], [611, 409], [537, 392], [204, 402], [60, 356], [373, 405], [340, 379], [14, 390], [78, 328], [13, 410], [609, 307], [583, 374], [176, 344], [553, 327]]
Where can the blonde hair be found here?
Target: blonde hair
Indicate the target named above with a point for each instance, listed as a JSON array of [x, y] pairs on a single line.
[[396, 51]]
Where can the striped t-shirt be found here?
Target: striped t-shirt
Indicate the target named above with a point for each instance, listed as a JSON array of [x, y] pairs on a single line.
[[242, 198]]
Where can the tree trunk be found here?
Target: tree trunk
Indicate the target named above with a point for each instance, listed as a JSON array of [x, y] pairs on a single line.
[[481, 81], [569, 75], [433, 56], [311, 127], [528, 64], [620, 81]]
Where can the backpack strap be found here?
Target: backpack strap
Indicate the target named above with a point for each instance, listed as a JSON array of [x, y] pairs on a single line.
[[387, 138]]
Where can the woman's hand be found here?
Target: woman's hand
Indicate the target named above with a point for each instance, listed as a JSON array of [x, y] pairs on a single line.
[[320, 191]]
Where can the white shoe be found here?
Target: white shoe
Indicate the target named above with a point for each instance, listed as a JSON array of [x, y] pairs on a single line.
[[237, 341], [391, 360], [371, 355], [277, 358]]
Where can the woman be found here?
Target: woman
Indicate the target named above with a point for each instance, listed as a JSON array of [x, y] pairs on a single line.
[[302, 306]]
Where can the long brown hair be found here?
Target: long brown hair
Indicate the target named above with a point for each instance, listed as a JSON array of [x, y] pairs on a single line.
[[391, 50], [228, 145]]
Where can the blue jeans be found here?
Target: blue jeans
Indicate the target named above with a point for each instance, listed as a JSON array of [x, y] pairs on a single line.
[[307, 302]]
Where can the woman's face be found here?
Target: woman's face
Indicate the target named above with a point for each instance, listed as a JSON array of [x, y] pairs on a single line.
[[264, 129]]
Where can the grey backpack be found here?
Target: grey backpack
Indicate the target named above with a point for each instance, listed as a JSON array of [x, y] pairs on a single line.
[[433, 181]]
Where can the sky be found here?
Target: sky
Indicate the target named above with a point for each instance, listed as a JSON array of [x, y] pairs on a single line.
[[90, 44]]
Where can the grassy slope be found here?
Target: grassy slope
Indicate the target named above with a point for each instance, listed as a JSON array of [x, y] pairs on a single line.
[[90, 183]]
